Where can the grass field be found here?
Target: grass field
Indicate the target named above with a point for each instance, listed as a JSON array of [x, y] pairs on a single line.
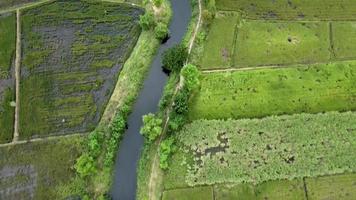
[[258, 150], [275, 43], [197, 193], [292, 9], [7, 52], [258, 93], [332, 187], [219, 43], [73, 52], [344, 39], [36, 170]]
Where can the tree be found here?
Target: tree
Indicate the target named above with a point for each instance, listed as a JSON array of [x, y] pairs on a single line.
[[147, 21], [161, 31], [174, 58], [191, 75], [152, 127]]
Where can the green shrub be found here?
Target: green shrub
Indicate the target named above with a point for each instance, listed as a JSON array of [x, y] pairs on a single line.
[[161, 31], [94, 143], [151, 127], [157, 3], [174, 58], [147, 21], [176, 122], [116, 129], [85, 165], [191, 74], [166, 149], [180, 105]]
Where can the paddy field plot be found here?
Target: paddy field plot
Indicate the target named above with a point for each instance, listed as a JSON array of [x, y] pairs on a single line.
[[72, 54], [276, 190], [219, 43], [7, 82], [344, 39], [259, 93], [275, 43], [259, 150], [332, 187], [37, 170], [292, 9], [197, 193]]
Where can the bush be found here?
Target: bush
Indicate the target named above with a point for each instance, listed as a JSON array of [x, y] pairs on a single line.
[[174, 58], [161, 31], [191, 74], [157, 3], [166, 149], [152, 127], [116, 128], [147, 21], [180, 105], [85, 165], [176, 122], [94, 143]]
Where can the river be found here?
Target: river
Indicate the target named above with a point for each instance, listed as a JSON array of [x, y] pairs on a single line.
[[125, 179]]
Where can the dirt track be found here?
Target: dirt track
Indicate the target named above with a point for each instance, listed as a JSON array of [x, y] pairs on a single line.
[[17, 74]]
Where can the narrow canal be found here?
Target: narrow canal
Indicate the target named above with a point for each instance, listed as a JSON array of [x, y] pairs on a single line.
[[125, 180]]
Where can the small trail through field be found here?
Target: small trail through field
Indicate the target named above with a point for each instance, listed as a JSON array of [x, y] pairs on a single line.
[[156, 172], [17, 74]]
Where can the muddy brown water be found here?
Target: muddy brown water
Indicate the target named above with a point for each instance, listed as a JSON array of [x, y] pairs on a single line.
[[125, 177]]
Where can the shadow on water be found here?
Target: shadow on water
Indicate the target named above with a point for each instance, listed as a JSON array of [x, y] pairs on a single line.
[[124, 186]]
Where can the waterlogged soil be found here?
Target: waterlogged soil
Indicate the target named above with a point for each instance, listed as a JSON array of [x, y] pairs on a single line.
[[72, 55], [18, 182]]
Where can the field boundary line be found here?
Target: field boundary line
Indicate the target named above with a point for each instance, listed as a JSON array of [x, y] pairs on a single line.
[[287, 20], [331, 41], [55, 137], [155, 169], [305, 189], [17, 75], [260, 67]]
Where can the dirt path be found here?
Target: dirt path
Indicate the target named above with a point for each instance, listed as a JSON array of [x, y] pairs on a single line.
[[251, 68], [17, 74], [41, 139], [156, 172]]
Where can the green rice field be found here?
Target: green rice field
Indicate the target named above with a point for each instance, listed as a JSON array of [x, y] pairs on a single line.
[[261, 43], [220, 42], [258, 93], [7, 83], [332, 187], [292, 9], [344, 39]]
